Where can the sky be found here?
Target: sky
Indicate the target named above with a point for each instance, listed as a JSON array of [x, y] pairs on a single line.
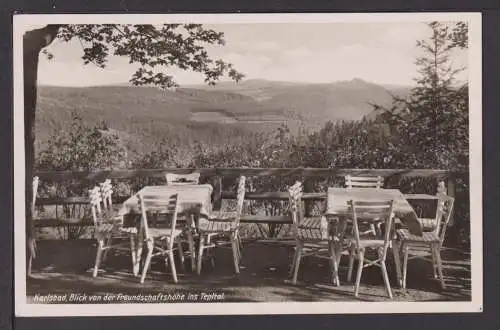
[[382, 53]]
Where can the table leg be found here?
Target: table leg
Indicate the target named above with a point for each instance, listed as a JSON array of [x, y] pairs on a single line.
[[397, 260]]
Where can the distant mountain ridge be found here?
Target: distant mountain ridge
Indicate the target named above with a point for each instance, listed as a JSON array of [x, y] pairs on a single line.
[[253, 104]]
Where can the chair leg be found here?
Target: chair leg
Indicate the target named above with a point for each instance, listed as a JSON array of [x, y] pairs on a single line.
[[172, 265], [298, 252], [108, 244], [234, 244], [397, 260], [133, 253], [240, 246], [138, 254], [292, 262], [361, 257], [100, 247], [148, 260], [352, 255], [191, 250], [333, 261], [386, 279], [405, 265], [439, 266], [434, 264], [200, 253], [181, 255]]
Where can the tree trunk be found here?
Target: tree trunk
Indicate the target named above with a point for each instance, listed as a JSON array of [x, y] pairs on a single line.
[[33, 42]]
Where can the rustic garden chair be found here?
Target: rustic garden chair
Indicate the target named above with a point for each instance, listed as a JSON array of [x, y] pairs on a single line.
[[182, 179], [366, 213], [223, 224], [364, 181], [108, 226], [189, 232], [160, 233], [430, 243], [311, 235], [32, 244]]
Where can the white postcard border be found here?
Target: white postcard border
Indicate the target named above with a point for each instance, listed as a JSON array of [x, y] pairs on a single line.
[[22, 308]]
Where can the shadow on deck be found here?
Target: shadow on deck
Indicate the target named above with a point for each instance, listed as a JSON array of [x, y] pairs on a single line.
[[62, 267]]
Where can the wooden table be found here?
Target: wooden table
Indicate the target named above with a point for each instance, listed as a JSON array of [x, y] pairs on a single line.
[[195, 202], [337, 207], [337, 199], [192, 198]]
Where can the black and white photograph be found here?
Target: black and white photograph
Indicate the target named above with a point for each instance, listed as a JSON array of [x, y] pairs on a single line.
[[247, 164]]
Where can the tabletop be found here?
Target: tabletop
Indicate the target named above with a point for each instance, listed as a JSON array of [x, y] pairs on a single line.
[[337, 199], [191, 197]]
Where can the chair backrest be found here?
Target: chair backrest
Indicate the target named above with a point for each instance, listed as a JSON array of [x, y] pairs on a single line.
[[153, 206], [95, 197], [107, 192], [364, 181], [295, 202], [240, 198], [182, 179], [443, 216], [371, 212], [35, 193]]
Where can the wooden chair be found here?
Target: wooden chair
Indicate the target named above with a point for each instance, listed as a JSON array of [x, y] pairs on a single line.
[[108, 226], [189, 233], [430, 243], [364, 181], [364, 213], [223, 225], [311, 235], [182, 179], [32, 244], [160, 234]]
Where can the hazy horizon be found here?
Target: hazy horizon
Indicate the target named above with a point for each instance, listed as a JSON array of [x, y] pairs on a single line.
[[381, 53], [243, 81]]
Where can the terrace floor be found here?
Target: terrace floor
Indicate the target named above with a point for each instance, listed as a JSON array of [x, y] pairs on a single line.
[[62, 266]]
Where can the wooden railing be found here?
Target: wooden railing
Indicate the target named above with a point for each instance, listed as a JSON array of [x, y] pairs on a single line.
[[235, 172], [215, 175]]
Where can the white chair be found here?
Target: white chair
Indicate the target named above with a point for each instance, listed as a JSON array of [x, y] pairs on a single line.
[[365, 213], [311, 235], [182, 179], [160, 233], [430, 243], [223, 224], [364, 181], [108, 226], [189, 232]]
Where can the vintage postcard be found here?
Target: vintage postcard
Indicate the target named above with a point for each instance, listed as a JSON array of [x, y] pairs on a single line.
[[247, 164]]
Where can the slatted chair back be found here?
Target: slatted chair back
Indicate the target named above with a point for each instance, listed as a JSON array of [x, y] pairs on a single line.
[[107, 192], [371, 212], [151, 206], [443, 216], [240, 198], [182, 179], [295, 201], [35, 193], [364, 181], [95, 205]]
